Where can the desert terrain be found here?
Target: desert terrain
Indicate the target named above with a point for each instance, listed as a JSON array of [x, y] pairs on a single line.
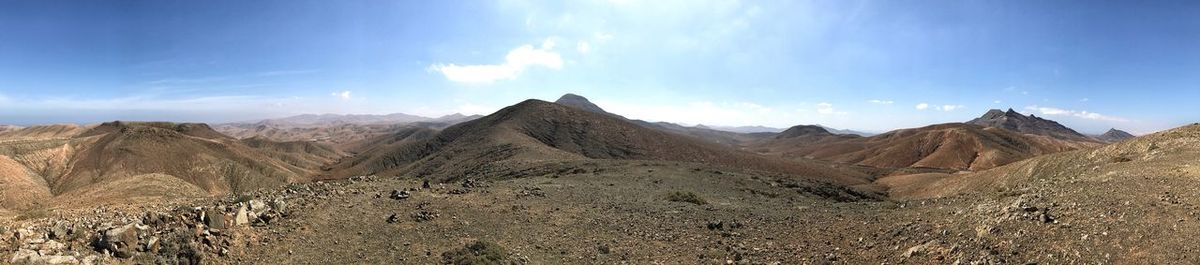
[[568, 183]]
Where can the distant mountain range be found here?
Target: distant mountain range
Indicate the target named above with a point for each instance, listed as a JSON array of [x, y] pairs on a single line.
[[307, 120]]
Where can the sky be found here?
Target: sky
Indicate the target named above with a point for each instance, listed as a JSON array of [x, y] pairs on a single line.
[[864, 65]]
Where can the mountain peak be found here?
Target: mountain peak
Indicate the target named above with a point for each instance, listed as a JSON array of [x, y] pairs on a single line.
[[1114, 135], [803, 130], [579, 102], [1013, 121]]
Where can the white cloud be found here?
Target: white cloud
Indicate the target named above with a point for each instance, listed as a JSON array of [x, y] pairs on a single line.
[[344, 95], [826, 108], [603, 36], [514, 64], [1084, 100], [996, 101], [583, 47], [950, 107], [1052, 111], [881, 102], [925, 106]]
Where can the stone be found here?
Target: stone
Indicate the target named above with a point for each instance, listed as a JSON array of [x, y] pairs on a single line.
[[918, 250], [23, 256], [120, 241], [214, 218], [241, 218], [393, 219], [278, 205], [152, 245], [257, 206], [399, 195], [59, 231], [50, 259], [51, 246]]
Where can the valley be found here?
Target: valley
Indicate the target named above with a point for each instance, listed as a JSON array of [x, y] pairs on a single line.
[[541, 182]]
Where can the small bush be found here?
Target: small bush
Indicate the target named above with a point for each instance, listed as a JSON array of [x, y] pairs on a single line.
[[38, 213], [478, 252], [685, 196]]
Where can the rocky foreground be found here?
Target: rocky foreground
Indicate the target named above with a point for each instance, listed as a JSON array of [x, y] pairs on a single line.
[[623, 213]]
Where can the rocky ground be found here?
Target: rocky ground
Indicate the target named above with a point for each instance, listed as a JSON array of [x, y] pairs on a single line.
[[613, 212]]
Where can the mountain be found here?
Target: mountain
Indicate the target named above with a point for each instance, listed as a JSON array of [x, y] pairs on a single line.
[[698, 132], [802, 131], [580, 102], [122, 160], [952, 146], [1114, 135], [1126, 170], [43, 131], [454, 118], [341, 134], [1014, 121], [5, 128], [741, 129], [321, 119], [522, 139], [845, 131]]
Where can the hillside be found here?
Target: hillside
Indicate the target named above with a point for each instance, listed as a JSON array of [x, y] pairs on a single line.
[[342, 136], [516, 140], [705, 134], [952, 146], [42, 131], [131, 156], [1168, 156]]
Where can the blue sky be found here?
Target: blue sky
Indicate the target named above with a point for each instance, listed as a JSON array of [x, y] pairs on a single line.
[[866, 65]]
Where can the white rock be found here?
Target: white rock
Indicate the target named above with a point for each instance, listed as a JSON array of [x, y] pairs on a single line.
[[242, 218]]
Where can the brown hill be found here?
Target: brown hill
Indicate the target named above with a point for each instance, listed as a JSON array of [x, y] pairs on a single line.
[[43, 131], [5, 128], [535, 132], [135, 158], [1114, 135], [1014, 121], [701, 133], [952, 146], [1166, 157], [341, 136]]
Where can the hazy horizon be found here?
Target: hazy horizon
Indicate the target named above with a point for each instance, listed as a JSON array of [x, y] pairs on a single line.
[[863, 65]]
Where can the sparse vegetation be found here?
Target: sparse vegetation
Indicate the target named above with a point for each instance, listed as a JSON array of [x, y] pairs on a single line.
[[31, 214], [478, 252], [685, 196]]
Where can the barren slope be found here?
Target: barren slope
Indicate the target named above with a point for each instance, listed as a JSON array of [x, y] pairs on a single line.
[[952, 146], [519, 137]]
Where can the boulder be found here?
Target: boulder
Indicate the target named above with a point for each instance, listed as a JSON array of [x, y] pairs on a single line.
[[60, 231], [214, 218], [120, 241], [241, 218], [399, 195], [278, 205], [257, 206]]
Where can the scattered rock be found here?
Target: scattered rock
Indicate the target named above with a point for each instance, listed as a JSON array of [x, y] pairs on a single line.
[[423, 216], [120, 241], [399, 195]]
